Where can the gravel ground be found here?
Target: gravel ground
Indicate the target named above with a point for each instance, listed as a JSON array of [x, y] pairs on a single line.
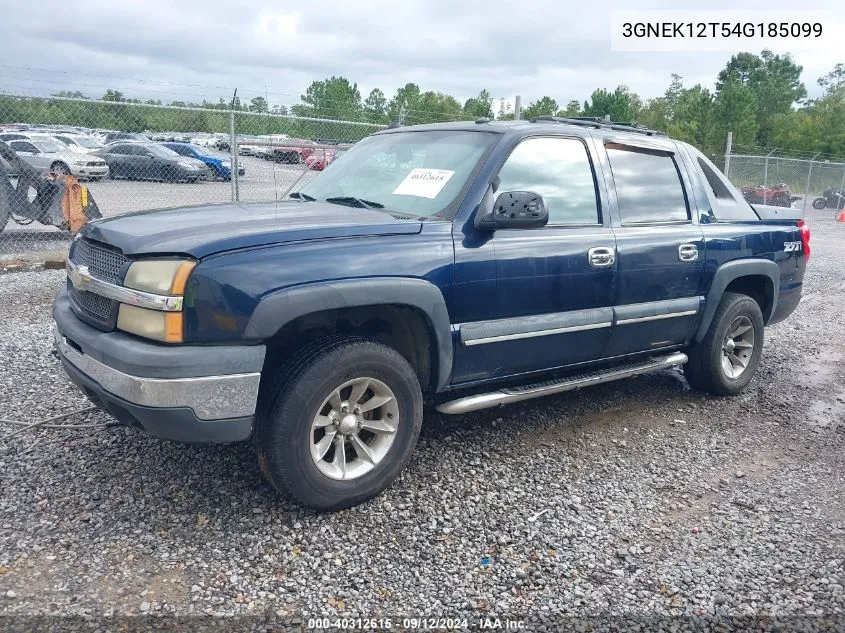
[[639, 498]]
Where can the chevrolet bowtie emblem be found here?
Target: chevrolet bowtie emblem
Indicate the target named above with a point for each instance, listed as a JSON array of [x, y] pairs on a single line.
[[80, 277]]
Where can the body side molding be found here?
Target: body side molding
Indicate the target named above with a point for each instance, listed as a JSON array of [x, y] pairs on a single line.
[[479, 332]]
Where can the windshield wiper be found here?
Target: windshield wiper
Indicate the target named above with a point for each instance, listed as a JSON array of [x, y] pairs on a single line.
[[302, 196], [352, 201]]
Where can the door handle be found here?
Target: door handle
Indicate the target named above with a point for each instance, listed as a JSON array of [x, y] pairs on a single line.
[[601, 257], [688, 252]]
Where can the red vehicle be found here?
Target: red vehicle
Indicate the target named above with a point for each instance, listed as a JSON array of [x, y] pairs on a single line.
[[294, 152], [779, 195], [321, 159]]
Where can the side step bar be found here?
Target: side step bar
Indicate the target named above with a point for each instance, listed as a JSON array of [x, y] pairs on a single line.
[[571, 383]]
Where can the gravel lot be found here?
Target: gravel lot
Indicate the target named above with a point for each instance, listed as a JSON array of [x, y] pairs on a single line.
[[657, 500]]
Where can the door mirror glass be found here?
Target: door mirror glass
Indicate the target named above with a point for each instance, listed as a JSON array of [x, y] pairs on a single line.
[[516, 210]]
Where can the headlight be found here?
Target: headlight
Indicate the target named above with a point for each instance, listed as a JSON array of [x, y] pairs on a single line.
[[159, 276], [162, 277], [79, 161], [160, 326], [227, 164]]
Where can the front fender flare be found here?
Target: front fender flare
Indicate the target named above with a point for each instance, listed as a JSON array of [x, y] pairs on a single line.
[[725, 274], [283, 306]]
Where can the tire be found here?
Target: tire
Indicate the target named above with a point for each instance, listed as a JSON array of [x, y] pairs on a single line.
[[288, 434], [819, 204], [60, 168], [707, 369]]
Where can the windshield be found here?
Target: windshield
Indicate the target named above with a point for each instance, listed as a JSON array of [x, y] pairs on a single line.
[[159, 150], [88, 142], [409, 172], [48, 145]]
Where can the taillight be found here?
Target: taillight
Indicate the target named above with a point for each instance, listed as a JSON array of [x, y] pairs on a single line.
[[805, 237]]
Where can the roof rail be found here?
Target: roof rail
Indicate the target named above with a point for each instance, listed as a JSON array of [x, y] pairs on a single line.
[[571, 121], [599, 123]]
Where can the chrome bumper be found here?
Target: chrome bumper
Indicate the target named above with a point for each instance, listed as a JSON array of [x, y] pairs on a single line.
[[209, 397]]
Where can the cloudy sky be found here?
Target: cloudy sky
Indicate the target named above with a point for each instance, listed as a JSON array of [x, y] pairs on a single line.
[[195, 49]]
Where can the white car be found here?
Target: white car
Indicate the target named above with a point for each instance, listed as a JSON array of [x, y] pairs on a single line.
[[50, 155], [204, 140], [79, 142]]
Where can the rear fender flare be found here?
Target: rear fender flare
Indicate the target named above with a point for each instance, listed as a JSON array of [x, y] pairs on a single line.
[[283, 306], [724, 275]]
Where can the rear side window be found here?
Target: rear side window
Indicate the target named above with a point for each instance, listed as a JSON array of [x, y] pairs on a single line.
[[648, 186], [558, 169], [23, 146]]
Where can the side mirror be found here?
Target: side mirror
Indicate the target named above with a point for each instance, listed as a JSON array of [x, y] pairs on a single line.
[[515, 210]]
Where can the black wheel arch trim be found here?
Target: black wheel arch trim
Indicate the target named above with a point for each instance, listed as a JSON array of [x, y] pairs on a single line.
[[278, 308], [728, 272]]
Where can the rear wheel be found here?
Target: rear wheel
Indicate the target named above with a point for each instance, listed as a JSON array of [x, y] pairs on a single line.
[[725, 360], [338, 423]]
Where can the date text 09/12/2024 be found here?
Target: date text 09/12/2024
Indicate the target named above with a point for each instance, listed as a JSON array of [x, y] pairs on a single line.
[[417, 624]]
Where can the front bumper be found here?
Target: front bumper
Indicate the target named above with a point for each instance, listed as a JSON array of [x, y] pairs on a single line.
[[185, 393], [89, 172]]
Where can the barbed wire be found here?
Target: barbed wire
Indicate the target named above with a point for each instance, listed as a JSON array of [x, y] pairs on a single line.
[[779, 152]]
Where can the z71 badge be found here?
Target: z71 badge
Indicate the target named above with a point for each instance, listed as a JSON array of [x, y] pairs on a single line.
[[792, 246]]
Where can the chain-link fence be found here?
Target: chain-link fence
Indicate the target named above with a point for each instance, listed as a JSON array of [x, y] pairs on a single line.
[[136, 156], [797, 182]]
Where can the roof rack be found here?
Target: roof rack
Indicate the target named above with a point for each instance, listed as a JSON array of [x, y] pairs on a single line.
[[599, 123]]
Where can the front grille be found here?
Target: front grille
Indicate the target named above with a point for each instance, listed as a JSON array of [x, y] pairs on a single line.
[[96, 306], [95, 164], [103, 263]]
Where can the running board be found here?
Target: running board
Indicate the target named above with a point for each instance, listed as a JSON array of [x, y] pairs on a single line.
[[571, 383]]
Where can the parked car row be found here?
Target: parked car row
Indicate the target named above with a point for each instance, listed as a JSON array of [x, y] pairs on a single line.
[[123, 155], [47, 153], [281, 148], [98, 154]]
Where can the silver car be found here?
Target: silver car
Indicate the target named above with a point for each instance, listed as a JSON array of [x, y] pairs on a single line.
[[79, 143], [49, 155]]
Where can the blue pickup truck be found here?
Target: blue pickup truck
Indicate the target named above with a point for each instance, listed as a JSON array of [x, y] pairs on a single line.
[[473, 264]]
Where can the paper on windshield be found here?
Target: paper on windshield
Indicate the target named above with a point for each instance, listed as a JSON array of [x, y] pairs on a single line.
[[424, 183]]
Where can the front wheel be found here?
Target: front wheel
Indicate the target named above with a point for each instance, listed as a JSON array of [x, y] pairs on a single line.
[[338, 423], [819, 204], [725, 360]]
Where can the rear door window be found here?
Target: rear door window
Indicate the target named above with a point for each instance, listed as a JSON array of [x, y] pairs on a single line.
[[648, 185], [23, 146]]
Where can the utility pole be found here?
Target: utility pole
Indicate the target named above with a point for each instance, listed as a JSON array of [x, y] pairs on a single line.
[[517, 107]]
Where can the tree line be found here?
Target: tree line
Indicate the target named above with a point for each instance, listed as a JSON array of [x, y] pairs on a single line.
[[760, 98]]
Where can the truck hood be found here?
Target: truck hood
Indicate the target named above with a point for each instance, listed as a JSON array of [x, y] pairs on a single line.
[[205, 230]]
